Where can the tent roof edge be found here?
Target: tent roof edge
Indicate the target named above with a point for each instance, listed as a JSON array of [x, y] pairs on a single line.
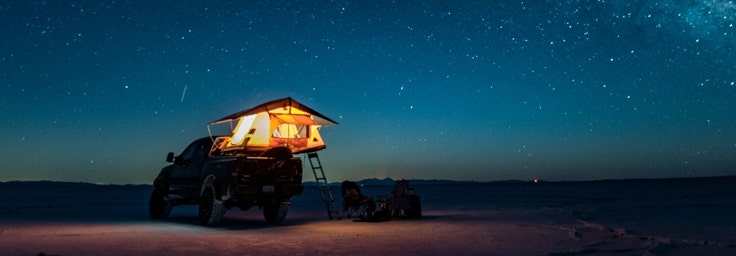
[[288, 101]]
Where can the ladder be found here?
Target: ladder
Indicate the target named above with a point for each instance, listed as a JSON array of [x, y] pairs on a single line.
[[323, 186]]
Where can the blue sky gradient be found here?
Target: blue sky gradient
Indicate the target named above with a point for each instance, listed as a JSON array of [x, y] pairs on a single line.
[[100, 91]]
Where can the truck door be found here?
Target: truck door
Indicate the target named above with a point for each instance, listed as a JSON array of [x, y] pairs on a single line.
[[185, 174]]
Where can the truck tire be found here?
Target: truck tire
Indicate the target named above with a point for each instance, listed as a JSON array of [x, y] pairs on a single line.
[[211, 208], [276, 212], [159, 207]]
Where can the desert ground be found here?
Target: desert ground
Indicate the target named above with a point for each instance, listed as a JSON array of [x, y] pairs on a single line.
[[632, 217]]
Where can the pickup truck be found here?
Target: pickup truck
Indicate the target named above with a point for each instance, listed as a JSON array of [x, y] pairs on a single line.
[[218, 181]]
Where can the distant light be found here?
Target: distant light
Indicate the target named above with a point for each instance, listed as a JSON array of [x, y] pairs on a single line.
[[536, 180]]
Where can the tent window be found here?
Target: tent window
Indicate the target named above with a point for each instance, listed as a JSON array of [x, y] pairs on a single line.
[[290, 131]]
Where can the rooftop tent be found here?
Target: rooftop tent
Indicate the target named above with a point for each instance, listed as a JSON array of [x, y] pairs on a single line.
[[282, 122]]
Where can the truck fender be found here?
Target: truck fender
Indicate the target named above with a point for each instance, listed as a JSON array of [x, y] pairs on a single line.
[[162, 180]]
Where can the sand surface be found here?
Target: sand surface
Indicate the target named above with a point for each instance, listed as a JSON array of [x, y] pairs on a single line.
[[649, 217]]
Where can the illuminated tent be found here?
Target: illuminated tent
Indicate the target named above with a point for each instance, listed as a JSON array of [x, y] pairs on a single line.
[[282, 122]]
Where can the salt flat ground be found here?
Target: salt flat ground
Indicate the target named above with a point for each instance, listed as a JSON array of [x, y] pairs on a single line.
[[639, 217]]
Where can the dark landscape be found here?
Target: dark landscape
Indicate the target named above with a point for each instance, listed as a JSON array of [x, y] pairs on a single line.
[[691, 216]]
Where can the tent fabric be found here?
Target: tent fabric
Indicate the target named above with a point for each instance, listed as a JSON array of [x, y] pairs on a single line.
[[294, 119], [281, 106], [282, 122]]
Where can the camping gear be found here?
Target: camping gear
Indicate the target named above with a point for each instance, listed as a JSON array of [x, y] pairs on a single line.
[[403, 203], [279, 123], [282, 122], [354, 202]]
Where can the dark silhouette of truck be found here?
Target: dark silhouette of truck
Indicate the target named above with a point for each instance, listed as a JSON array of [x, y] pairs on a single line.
[[220, 180]]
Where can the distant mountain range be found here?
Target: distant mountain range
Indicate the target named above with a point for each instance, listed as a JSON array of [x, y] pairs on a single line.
[[48, 183], [368, 182], [391, 182]]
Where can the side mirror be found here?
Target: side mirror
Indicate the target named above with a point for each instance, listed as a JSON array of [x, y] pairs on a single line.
[[170, 157]]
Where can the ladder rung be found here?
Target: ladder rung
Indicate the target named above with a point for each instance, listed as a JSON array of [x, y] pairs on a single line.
[[323, 186]]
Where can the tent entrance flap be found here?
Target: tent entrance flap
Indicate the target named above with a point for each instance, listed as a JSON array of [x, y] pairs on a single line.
[[251, 130]]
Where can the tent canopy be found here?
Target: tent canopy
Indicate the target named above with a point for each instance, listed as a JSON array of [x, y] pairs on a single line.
[[279, 123], [286, 106]]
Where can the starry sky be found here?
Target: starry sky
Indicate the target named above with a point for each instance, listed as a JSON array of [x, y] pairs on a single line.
[[100, 91]]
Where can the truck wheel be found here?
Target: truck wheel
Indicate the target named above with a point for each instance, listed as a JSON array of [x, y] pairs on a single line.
[[276, 212], [210, 208], [159, 206]]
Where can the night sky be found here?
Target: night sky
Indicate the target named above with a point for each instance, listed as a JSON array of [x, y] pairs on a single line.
[[100, 91]]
